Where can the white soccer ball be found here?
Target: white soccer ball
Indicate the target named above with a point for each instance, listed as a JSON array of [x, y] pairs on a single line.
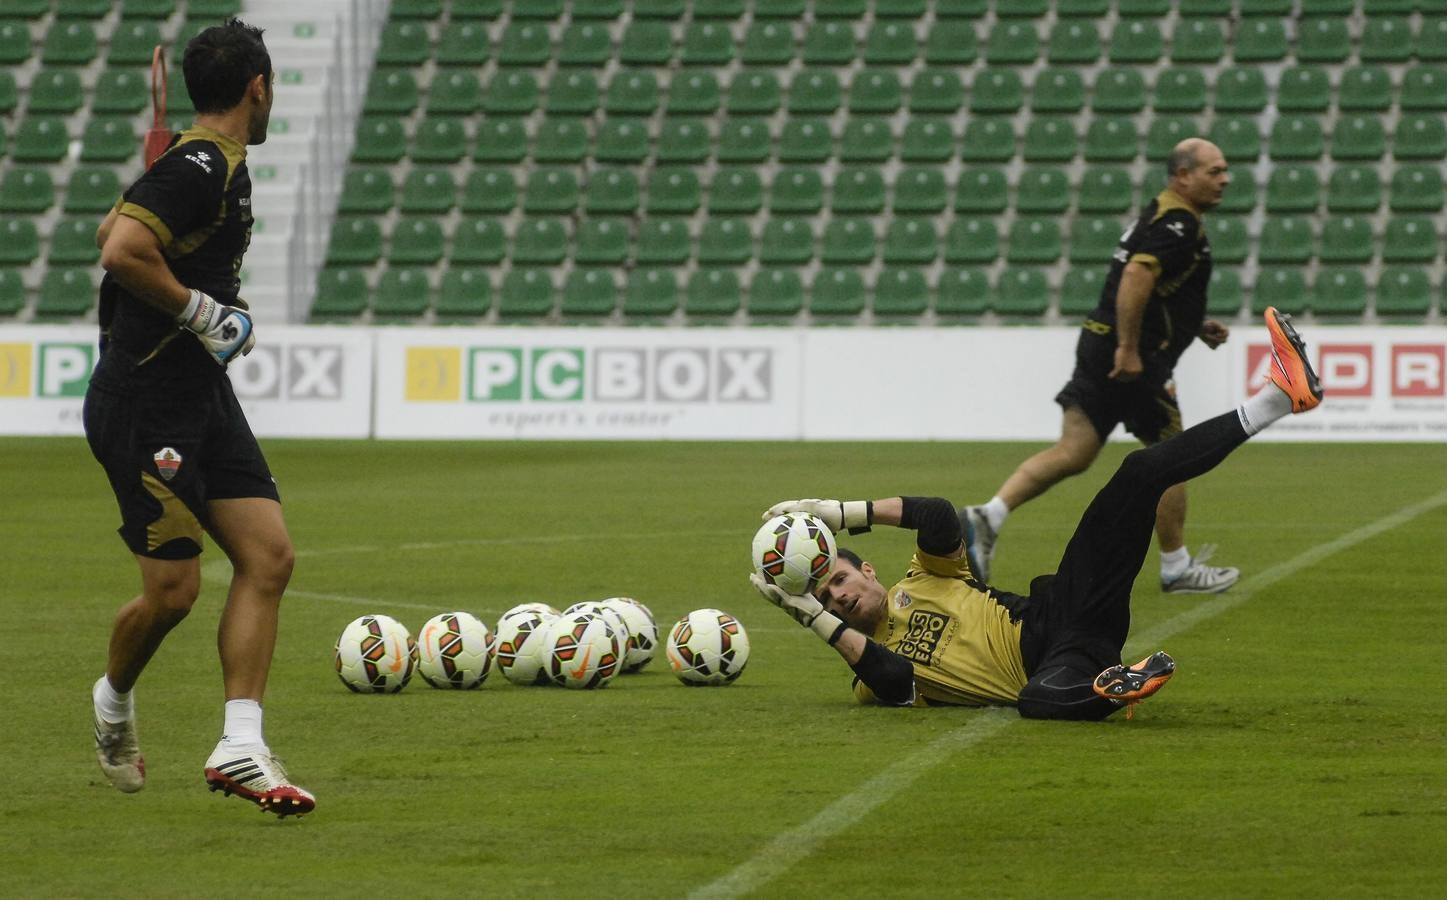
[[518, 645], [601, 608], [546, 609], [708, 647], [642, 632], [582, 650], [455, 651], [796, 551], [375, 655]]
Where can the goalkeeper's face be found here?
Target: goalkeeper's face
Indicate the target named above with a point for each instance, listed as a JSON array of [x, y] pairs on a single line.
[[854, 594]]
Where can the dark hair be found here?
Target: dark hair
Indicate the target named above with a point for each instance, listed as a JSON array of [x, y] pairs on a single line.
[[855, 559], [221, 61]]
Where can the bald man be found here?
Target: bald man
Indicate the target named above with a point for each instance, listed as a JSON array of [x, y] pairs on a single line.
[[1152, 307]]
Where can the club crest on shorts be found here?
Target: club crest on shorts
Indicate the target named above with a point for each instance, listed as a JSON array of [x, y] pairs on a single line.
[[168, 462]]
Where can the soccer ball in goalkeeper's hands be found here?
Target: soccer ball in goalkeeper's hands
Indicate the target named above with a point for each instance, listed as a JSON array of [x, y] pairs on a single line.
[[455, 651], [795, 551], [375, 655], [707, 647]]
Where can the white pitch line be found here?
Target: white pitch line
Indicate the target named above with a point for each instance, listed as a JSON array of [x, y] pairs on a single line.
[[415, 546], [789, 847], [366, 601]]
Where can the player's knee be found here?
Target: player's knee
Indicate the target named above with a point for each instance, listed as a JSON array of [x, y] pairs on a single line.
[[172, 593], [271, 564]]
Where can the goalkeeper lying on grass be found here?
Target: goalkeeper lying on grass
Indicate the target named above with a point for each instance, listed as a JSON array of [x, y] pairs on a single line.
[[941, 637]]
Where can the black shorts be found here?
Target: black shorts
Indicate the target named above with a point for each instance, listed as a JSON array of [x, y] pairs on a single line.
[[1147, 405], [167, 456]]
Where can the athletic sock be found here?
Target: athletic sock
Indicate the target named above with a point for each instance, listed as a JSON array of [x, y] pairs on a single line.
[[996, 512], [1175, 563], [1262, 408], [243, 724], [111, 705]]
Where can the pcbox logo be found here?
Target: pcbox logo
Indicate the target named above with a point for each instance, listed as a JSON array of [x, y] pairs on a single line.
[[51, 370], [293, 372]]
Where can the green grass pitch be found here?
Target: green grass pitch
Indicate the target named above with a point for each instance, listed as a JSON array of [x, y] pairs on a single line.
[[1299, 750]]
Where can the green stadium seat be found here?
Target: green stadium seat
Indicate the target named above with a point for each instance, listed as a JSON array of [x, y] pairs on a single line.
[[189, 29], [963, 292], [107, 139], [1093, 241], [454, 92], [1032, 9], [1240, 196], [178, 100], [754, 93], [777, 9], [1404, 291], [1034, 240], [69, 44], [1049, 139], [1057, 91], [804, 139], [601, 242], [402, 295], [951, 43], [478, 241], [1358, 137], [929, 139], [1260, 41], [1284, 288], [828, 44], [1424, 88], [82, 9], [341, 295], [584, 44], [1198, 41], [9, 97], [1241, 90], [1265, 7], [12, 292], [1230, 241], [1022, 293], [997, 91], [1166, 132], [890, 44], [1012, 43], [1238, 138], [875, 91], [416, 9], [416, 240], [1225, 295], [707, 44], [26, 9], [686, 141], [786, 241], [972, 240], [1416, 188], [1293, 189], [838, 293], [1432, 39], [535, 9], [1080, 289], [725, 242], [815, 92], [1386, 39], [1365, 89], [1420, 136], [858, 189], [1180, 90], [661, 242], [489, 189], [632, 93], [133, 43], [693, 93], [1286, 239], [987, 140], [439, 140], [429, 188], [744, 140], [390, 92], [65, 293], [19, 239], [1082, 8], [551, 189], [1043, 189], [646, 43], [510, 93], [1354, 188], [735, 190], [561, 140], [899, 9], [524, 43], [797, 189], [674, 190], [92, 189], [1409, 239], [56, 91], [540, 242], [866, 139], [1073, 42], [525, 294], [982, 189], [1346, 239], [465, 44], [1303, 89], [404, 44], [900, 293], [768, 43], [1296, 137], [589, 293], [573, 93], [118, 91], [848, 239], [910, 240], [1135, 42], [1105, 189], [776, 293], [658, 9], [621, 141], [1121, 90], [1110, 139], [366, 190], [500, 141], [713, 293], [1323, 39], [612, 191], [650, 294], [920, 189], [40, 139], [465, 293]]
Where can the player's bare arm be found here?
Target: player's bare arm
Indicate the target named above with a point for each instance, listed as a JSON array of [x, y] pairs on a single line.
[[102, 233], [1136, 284], [132, 253]]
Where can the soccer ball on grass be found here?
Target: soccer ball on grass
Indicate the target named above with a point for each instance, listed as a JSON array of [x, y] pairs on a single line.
[[582, 650], [518, 645], [375, 655], [456, 651], [708, 647], [642, 632]]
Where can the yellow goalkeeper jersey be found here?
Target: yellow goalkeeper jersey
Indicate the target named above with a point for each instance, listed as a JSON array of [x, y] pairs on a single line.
[[960, 637]]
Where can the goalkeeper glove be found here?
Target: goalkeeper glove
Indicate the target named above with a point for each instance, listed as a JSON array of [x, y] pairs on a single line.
[[806, 610], [854, 515], [223, 330]]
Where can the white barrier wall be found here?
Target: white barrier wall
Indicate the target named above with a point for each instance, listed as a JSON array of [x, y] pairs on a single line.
[[1384, 384]]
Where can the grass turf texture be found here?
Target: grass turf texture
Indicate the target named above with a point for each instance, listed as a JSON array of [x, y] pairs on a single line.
[[1298, 750]]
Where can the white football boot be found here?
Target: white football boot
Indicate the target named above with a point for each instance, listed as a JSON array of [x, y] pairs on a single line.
[[257, 775], [119, 754], [1199, 578]]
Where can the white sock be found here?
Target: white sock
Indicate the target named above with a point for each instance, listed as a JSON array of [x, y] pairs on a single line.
[[111, 705], [1262, 408], [1174, 563], [996, 512], [243, 724]]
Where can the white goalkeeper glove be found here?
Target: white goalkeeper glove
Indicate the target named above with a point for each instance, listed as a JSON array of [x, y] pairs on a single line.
[[839, 515], [223, 330], [806, 610]]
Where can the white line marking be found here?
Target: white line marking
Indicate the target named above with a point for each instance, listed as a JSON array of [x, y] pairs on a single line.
[[416, 546], [793, 845], [366, 601]]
